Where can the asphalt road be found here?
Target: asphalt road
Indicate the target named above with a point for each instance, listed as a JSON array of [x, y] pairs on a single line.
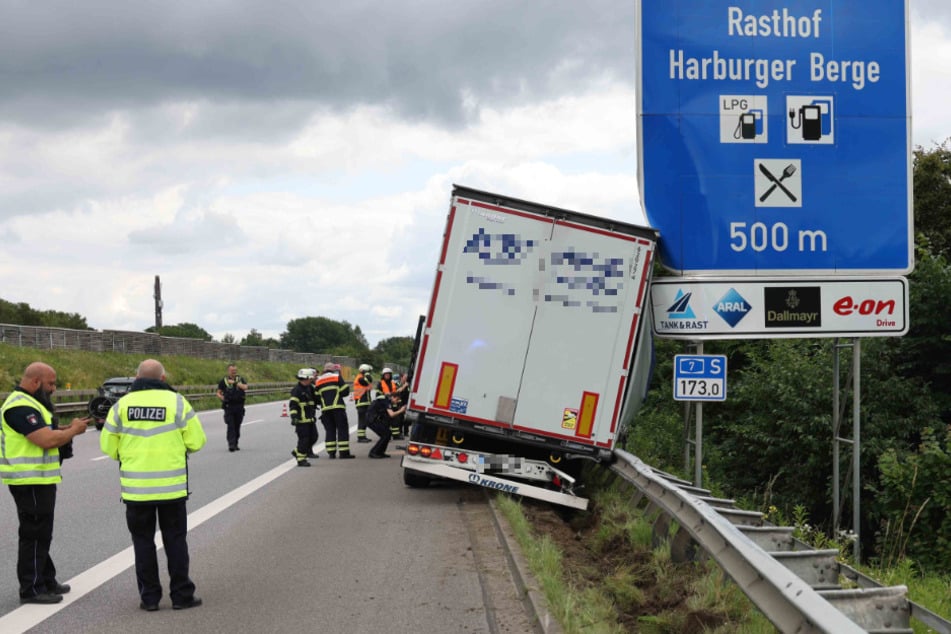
[[342, 546]]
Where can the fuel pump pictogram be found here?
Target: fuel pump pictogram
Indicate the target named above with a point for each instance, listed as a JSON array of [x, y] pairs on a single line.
[[810, 120], [743, 119], [749, 124]]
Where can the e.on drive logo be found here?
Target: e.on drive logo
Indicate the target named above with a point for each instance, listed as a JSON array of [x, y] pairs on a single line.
[[881, 309]]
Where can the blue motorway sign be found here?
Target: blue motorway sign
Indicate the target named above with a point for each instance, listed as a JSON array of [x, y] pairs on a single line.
[[699, 377], [774, 136]]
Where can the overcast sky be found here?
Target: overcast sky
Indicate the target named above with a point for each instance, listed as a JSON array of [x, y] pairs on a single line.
[[278, 160]]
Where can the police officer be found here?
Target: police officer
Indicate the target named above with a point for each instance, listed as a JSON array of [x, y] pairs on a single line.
[[362, 390], [152, 429], [231, 392], [383, 410], [303, 409], [30, 465], [331, 390]]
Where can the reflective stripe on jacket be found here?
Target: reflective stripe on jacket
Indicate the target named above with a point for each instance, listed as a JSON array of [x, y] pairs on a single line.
[[150, 432], [303, 407], [331, 389], [21, 461]]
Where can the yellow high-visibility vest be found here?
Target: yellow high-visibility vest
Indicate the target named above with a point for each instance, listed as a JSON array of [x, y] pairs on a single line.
[[21, 461], [150, 433]]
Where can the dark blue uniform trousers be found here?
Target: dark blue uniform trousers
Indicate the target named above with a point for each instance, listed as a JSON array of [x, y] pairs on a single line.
[[173, 522]]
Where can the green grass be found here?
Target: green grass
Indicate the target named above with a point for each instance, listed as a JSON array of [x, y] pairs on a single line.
[[80, 370], [625, 583], [577, 609]]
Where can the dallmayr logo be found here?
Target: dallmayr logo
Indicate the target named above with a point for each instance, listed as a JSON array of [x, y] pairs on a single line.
[[793, 307], [732, 307], [680, 315]]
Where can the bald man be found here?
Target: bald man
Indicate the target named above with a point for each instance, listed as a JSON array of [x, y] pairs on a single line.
[[151, 430], [30, 466]]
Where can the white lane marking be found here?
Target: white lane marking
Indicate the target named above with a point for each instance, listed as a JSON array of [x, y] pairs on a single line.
[[252, 422], [29, 616]]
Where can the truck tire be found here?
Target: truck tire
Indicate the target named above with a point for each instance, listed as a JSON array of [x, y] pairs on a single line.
[[415, 480]]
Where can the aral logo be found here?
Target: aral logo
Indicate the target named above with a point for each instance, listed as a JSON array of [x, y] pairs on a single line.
[[732, 307], [680, 309]]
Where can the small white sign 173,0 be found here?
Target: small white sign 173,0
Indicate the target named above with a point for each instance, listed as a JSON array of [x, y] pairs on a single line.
[[699, 377]]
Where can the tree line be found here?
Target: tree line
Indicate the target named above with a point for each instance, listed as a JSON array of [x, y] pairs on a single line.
[[320, 335], [770, 443]]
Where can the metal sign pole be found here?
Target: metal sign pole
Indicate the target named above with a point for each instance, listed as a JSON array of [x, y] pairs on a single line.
[[698, 438], [836, 422], [856, 444]]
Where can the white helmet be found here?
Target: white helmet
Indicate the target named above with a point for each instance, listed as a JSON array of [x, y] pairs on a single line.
[[386, 371], [364, 367], [305, 373]]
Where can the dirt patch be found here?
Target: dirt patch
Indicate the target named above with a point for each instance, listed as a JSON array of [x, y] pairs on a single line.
[[649, 595]]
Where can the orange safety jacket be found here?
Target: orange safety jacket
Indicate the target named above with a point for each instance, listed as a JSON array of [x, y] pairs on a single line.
[[387, 387], [361, 391]]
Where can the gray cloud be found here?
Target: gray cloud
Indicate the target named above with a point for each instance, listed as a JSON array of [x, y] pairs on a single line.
[[939, 10], [419, 57]]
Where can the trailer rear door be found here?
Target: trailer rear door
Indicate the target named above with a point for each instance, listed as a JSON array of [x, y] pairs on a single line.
[[534, 319]]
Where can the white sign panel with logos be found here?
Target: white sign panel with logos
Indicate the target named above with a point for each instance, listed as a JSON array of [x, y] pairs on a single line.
[[748, 308]]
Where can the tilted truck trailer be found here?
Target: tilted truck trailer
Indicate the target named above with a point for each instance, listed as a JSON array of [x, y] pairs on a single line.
[[535, 351]]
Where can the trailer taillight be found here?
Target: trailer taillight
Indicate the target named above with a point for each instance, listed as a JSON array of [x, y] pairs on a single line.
[[425, 452], [412, 449], [463, 458]]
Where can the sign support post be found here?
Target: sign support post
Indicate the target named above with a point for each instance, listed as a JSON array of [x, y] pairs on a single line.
[[698, 438]]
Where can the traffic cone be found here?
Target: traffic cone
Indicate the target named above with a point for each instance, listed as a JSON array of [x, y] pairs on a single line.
[[284, 411]]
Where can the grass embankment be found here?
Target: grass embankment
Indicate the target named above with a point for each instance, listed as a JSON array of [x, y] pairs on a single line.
[[80, 370], [87, 370], [604, 572]]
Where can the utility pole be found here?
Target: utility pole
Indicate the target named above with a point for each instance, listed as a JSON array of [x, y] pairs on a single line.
[[158, 305]]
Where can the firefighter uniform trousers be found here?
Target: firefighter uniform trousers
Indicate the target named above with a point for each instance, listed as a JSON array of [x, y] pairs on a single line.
[[362, 421], [361, 399], [306, 439], [330, 390], [337, 428]]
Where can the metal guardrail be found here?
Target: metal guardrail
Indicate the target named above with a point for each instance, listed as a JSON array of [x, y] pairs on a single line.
[[77, 401], [795, 587]]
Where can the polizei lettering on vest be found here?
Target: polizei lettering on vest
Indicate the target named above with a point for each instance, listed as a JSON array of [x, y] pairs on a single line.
[[475, 478], [146, 413]]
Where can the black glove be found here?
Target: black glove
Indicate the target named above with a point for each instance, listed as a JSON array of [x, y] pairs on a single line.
[[295, 420], [66, 451]]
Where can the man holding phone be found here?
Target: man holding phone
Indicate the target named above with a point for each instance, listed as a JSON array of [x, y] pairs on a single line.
[[30, 465]]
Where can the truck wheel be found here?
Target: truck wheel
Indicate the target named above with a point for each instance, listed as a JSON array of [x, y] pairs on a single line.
[[414, 480]]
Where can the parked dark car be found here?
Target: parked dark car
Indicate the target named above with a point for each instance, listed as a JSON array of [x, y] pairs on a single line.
[[110, 391]]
